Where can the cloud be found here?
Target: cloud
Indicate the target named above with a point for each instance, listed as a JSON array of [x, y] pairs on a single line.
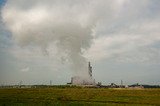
[[43, 24], [49, 32], [26, 69], [118, 26], [132, 44], [127, 37]]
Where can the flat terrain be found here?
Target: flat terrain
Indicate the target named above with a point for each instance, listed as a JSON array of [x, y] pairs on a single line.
[[79, 96]]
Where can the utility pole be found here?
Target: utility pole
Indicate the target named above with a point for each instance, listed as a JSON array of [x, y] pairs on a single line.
[[121, 83], [20, 83], [50, 82]]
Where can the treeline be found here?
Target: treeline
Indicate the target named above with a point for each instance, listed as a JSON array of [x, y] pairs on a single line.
[[151, 86]]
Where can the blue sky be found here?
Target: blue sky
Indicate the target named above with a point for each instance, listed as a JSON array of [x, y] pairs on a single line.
[[53, 40], [2, 2]]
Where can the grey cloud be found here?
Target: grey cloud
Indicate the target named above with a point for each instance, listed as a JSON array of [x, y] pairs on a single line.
[[74, 31], [44, 23]]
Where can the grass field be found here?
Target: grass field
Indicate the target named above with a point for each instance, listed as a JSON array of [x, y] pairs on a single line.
[[79, 96]]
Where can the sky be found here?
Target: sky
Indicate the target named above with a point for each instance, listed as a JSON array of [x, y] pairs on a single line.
[[43, 40]]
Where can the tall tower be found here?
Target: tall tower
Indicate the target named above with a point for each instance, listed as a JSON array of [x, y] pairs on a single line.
[[89, 69]]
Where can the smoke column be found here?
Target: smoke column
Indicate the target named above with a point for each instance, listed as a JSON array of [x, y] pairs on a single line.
[[66, 24]]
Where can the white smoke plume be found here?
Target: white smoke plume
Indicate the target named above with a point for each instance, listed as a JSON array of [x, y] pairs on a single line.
[[122, 32], [66, 24]]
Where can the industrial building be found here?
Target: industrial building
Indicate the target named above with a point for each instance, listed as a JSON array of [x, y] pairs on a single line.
[[80, 80]]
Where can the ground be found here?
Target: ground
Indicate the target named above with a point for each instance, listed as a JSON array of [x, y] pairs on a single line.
[[79, 96]]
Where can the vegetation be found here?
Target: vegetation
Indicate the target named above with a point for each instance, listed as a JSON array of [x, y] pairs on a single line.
[[79, 96]]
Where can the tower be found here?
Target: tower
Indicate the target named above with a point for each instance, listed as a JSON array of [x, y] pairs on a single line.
[[89, 69]]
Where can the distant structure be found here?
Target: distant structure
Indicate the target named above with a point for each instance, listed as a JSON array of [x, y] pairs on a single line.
[[79, 80], [136, 86], [89, 69], [50, 82]]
